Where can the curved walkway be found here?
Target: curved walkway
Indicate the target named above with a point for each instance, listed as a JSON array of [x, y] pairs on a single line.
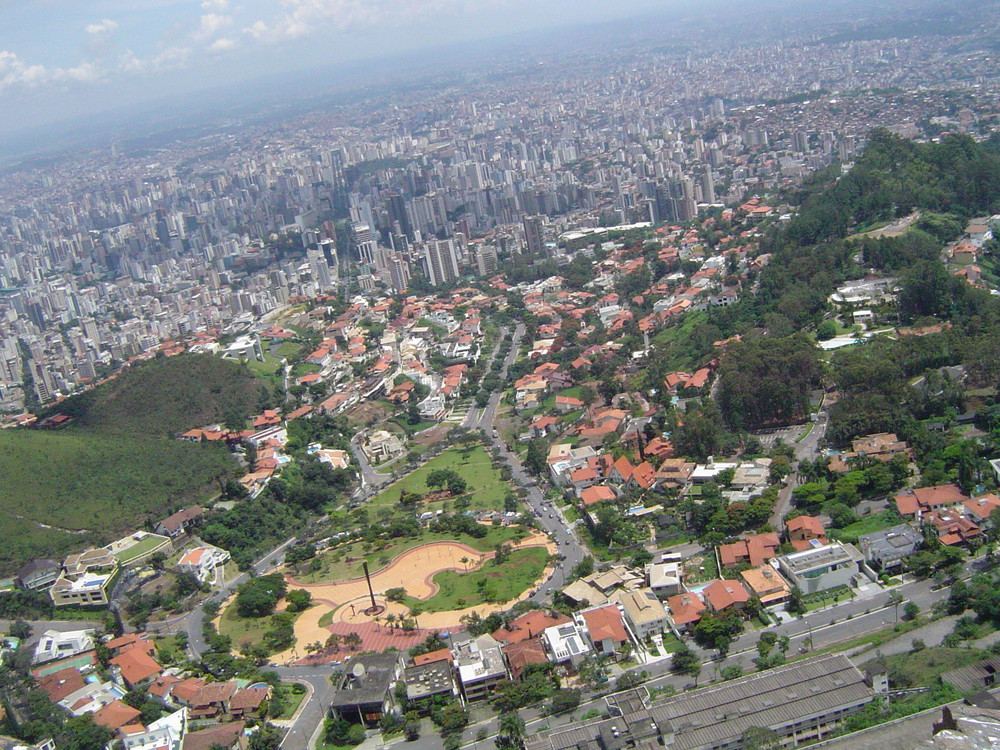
[[412, 570]]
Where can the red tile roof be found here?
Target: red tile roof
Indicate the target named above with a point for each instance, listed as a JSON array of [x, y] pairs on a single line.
[[116, 714], [528, 625], [605, 622]]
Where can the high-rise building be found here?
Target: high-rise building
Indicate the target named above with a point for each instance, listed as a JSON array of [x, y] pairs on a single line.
[[364, 238], [399, 272], [441, 261], [486, 259], [534, 242]]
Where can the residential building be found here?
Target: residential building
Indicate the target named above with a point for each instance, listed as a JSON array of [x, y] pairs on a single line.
[[802, 530], [529, 625], [685, 610], [766, 584], [55, 645], [203, 562], [480, 666], [821, 568], [644, 613], [922, 500], [429, 680], [364, 693], [521, 654], [605, 628], [38, 574], [756, 550], [566, 643], [665, 578], [888, 548], [726, 596]]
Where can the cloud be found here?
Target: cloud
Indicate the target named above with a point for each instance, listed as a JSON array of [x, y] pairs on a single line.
[[222, 45], [14, 71], [210, 24], [104, 28], [219, 5]]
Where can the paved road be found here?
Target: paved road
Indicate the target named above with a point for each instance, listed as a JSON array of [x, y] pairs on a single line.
[[314, 706], [370, 479]]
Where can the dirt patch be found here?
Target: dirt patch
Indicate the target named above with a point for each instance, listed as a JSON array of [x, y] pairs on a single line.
[[431, 436], [368, 413]]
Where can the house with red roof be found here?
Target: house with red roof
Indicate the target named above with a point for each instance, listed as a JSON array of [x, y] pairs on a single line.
[[529, 625], [755, 550], [685, 610], [803, 530], [116, 715], [522, 654], [597, 494], [605, 628], [922, 500], [134, 668], [726, 596]]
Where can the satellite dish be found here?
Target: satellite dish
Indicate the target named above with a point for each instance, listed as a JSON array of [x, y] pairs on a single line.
[[358, 670]]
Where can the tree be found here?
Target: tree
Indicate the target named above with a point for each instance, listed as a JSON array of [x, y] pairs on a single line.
[[760, 738], [81, 733], [259, 596], [453, 719], [685, 661], [510, 731], [895, 599], [718, 631], [395, 594], [564, 700], [583, 568], [20, 630], [298, 600], [536, 459]]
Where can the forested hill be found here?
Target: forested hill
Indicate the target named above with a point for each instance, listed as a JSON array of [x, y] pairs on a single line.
[[892, 177], [168, 395]]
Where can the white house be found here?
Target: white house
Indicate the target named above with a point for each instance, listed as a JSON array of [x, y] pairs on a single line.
[[56, 645], [203, 562]]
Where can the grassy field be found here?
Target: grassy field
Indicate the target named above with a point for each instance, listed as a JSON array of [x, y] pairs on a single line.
[[292, 700], [101, 486], [866, 525], [921, 668], [140, 548], [244, 629], [339, 569], [486, 487], [499, 583]]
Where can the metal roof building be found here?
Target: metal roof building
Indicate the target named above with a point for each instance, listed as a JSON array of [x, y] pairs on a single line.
[[800, 702]]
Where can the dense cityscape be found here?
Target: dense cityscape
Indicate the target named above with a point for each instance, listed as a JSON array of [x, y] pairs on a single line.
[[616, 396]]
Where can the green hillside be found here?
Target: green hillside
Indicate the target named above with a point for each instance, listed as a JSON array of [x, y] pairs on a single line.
[[63, 490], [119, 464], [168, 395]]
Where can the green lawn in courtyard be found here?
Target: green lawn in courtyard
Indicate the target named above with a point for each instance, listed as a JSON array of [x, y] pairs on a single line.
[[497, 583]]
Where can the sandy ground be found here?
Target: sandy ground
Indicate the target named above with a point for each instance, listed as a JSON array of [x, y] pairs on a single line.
[[414, 571]]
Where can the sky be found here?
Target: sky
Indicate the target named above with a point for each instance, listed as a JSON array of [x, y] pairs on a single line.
[[60, 59]]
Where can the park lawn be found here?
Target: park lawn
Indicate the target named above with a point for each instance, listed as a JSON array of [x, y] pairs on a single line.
[[341, 570], [921, 668], [489, 583], [244, 629], [288, 349], [485, 486], [141, 547], [866, 525], [270, 366], [292, 700], [305, 368]]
